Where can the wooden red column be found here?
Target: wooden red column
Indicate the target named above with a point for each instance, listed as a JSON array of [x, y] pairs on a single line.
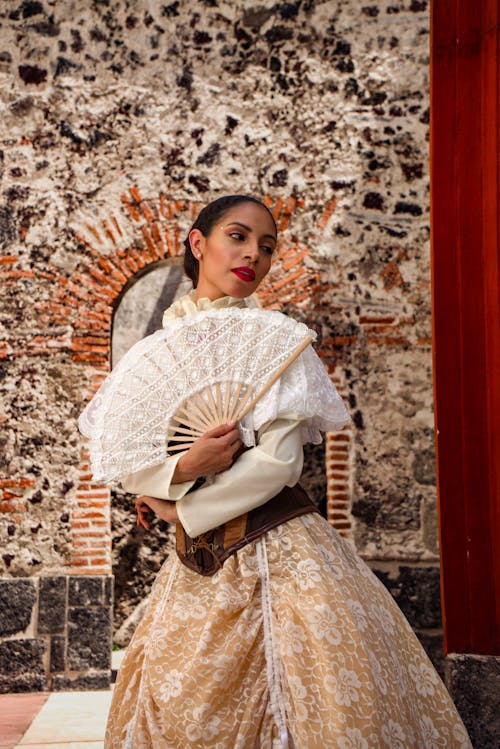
[[465, 204]]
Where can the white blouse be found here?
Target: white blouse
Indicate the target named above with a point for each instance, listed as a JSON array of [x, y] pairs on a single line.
[[256, 476]]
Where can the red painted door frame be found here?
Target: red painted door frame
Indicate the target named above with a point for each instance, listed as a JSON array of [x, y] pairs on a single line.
[[465, 205]]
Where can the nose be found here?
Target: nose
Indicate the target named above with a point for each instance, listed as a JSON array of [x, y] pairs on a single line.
[[252, 252]]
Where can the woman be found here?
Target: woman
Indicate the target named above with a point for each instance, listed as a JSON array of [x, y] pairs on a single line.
[[266, 630]]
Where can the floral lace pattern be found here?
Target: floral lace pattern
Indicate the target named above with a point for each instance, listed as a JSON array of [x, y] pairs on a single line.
[[294, 628]]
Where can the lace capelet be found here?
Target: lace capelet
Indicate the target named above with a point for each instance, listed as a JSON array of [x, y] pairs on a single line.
[[210, 368]]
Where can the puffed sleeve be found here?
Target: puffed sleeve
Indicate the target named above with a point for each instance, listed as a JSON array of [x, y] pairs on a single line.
[[157, 481], [258, 474]]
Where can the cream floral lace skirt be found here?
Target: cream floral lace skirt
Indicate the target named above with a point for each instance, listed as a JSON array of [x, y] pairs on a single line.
[[293, 643]]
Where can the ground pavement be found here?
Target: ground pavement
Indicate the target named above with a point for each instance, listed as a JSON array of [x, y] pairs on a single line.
[[56, 720]]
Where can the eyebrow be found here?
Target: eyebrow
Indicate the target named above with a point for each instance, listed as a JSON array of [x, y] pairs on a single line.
[[248, 228]]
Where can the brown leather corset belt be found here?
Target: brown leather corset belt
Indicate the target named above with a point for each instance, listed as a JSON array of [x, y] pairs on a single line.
[[207, 553]]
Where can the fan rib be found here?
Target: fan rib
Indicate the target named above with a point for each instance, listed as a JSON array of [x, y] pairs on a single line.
[[183, 437], [213, 404], [244, 400], [189, 430], [227, 399], [218, 397], [183, 446], [203, 407], [191, 419], [234, 403]]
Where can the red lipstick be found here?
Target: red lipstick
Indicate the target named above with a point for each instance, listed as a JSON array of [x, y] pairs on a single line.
[[244, 273]]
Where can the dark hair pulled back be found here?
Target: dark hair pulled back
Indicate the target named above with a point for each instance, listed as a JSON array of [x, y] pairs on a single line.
[[205, 222]]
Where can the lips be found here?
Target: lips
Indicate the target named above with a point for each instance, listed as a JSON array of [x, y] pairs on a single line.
[[244, 273]]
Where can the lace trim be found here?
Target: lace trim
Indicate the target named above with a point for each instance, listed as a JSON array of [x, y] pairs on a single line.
[[128, 419], [272, 660]]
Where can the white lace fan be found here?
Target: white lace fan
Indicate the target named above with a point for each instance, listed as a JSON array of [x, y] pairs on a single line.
[[171, 387]]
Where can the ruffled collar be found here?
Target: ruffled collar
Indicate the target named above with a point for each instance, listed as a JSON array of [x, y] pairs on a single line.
[[188, 305]]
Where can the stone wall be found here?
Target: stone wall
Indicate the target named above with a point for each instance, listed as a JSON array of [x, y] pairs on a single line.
[[55, 633], [119, 120]]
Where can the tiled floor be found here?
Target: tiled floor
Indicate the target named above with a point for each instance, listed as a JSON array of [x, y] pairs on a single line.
[[57, 720], [67, 720], [16, 714]]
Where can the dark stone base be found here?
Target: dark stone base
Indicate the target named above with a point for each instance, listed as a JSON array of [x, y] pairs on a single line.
[[433, 646], [474, 684], [81, 683], [21, 665], [62, 629], [416, 590]]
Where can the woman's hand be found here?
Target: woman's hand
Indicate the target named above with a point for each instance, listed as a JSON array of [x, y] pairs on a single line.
[[211, 453], [165, 510]]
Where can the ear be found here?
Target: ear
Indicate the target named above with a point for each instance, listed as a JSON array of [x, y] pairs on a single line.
[[197, 242]]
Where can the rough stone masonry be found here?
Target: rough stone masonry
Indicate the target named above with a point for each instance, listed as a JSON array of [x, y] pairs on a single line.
[[119, 119]]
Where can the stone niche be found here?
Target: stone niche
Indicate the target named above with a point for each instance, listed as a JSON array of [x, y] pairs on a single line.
[[55, 633]]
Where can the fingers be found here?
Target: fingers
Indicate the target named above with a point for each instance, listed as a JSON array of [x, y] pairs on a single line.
[[221, 430], [142, 509]]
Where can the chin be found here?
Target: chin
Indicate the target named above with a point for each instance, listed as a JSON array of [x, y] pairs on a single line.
[[241, 292]]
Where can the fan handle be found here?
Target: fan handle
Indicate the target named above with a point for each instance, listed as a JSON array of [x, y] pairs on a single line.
[[295, 353]]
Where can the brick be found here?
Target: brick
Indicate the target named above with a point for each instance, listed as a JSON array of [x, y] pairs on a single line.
[[136, 195], [21, 482], [108, 231], [88, 533], [327, 213], [131, 264], [366, 319], [83, 544], [105, 279], [137, 257], [288, 279], [293, 261], [97, 494], [132, 210], [103, 569], [387, 340], [147, 212], [88, 513], [79, 561], [117, 226]]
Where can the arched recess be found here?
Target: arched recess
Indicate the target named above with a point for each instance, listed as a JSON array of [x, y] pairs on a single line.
[[139, 309]]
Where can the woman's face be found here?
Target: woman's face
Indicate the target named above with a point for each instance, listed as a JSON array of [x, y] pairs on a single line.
[[237, 254]]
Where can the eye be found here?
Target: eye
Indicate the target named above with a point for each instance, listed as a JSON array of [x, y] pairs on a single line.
[[237, 235], [268, 249]]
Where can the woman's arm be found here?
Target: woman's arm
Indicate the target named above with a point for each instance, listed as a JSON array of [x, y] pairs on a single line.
[[256, 476], [212, 453]]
